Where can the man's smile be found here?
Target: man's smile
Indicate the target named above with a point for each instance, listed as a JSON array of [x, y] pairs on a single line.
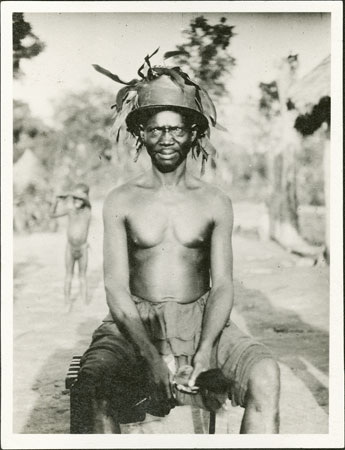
[[167, 154]]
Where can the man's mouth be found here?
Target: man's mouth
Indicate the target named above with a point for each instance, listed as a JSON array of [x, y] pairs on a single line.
[[167, 155]]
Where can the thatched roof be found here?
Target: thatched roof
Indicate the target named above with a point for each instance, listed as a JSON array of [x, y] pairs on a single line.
[[307, 92]]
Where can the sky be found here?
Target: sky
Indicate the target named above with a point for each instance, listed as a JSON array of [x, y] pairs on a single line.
[[120, 41]]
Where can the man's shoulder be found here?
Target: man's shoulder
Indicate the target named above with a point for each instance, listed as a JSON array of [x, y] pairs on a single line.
[[121, 195], [214, 194], [217, 203]]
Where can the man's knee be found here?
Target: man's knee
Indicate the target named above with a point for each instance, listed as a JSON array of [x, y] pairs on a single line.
[[264, 383]]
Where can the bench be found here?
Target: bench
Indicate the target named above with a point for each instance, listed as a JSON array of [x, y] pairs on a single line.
[[71, 378]]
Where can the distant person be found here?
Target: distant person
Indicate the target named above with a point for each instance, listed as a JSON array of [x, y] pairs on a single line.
[[77, 207]]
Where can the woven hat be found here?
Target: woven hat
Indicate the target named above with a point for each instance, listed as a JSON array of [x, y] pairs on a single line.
[[161, 93], [162, 88]]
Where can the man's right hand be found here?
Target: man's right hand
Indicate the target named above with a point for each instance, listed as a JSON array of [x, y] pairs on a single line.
[[162, 400]]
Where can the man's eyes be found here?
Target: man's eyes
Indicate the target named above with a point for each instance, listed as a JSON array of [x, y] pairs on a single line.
[[175, 131]]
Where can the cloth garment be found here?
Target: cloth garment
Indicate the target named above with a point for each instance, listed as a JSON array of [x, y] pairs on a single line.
[[118, 370]]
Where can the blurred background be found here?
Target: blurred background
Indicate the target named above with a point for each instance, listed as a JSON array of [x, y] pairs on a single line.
[[268, 74]]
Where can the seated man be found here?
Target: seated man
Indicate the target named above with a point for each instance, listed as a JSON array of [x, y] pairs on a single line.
[[168, 280]]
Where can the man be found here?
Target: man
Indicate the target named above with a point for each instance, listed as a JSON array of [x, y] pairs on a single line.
[[77, 207], [168, 278]]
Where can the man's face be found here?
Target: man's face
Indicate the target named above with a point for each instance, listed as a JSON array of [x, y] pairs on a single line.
[[167, 139]]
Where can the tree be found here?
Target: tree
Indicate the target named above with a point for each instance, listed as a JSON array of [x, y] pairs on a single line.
[[205, 54], [206, 58], [83, 125], [27, 130], [26, 44]]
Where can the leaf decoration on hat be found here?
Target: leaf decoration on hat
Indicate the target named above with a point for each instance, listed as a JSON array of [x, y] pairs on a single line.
[[198, 150], [174, 53], [138, 147], [112, 76], [208, 106], [210, 149], [127, 101], [124, 95], [220, 127], [147, 61]]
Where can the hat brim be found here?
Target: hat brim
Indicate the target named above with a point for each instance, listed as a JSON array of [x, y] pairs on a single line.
[[136, 117]]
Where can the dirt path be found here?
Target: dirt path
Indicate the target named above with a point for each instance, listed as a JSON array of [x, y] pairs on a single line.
[[283, 304]]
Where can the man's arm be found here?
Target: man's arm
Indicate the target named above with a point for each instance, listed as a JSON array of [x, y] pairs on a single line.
[[220, 300], [116, 280], [57, 210]]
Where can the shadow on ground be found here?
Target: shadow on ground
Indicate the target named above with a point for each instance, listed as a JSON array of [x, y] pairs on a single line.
[[51, 412], [292, 340]]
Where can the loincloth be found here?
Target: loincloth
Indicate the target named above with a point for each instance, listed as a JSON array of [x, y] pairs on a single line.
[[174, 329]]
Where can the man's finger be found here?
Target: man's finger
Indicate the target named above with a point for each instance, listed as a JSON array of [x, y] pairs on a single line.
[[196, 372]]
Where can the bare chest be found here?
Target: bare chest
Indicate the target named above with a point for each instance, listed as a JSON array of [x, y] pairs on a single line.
[[169, 222], [79, 221]]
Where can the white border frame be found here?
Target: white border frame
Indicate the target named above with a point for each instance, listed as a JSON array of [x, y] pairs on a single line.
[[335, 437]]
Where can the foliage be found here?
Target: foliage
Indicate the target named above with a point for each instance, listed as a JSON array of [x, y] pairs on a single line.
[[205, 55], [32, 192], [28, 132], [83, 120], [26, 44], [269, 99], [308, 123]]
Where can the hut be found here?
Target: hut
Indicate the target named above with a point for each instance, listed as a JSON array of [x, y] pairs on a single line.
[[310, 96], [310, 89]]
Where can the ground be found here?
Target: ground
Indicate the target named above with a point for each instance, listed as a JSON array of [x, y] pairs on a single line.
[[280, 299]]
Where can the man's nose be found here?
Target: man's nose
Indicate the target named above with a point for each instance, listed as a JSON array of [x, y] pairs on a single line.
[[167, 136]]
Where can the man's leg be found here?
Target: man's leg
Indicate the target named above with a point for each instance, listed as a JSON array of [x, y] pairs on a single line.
[[108, 380], [90, 412], [82, 263], [69, 266], [262, 400], [254, 379], [102, 421]]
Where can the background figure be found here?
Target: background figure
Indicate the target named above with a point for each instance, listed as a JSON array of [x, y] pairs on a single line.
[[77, 207]]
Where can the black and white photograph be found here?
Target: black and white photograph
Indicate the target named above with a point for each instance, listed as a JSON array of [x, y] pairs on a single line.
[[172, 225]]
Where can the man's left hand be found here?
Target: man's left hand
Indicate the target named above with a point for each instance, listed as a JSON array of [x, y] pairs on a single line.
[[201, 363]]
